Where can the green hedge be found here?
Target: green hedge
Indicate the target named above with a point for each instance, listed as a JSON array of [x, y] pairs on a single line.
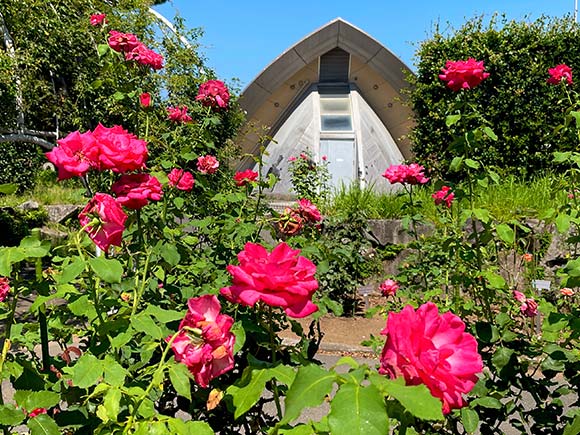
[[522, 108], [20, 163]]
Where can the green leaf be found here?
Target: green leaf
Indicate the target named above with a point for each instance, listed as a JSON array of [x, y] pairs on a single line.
[[506, 233], [122, 339], [170, 254], [494, 176], [10, 415], [102, 49], [358, 410], [415, 399], [495, 280], [87, 371], [563, 223], [309, 389], [573, 428], [112, 403], [482, 214], [42, 425], [71, 271], [301, 429], [118, 96], [452, 120], [456, 164], [487, 402], [238, 330], [469, 419], [9, 256], [501, 357], [178, 202], [142, 322], [198, 428], [489, 133], [109, 270], [180, 379], [248, 390], [8, 188], [470, 163], [164, 316], [114, 372], [83, 307], [30, 400]]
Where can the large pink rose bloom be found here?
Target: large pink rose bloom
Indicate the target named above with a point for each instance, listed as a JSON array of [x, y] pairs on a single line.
[[120, 151], [207, 164], [213, 93], [463, 74], [74, 155], [145, 56], [426, 347], [109, 220], [281, 278], [559, 73], [136, 190], [204, 342], [406, 174]]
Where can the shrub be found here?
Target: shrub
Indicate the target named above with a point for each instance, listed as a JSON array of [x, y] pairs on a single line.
[[517, 102]]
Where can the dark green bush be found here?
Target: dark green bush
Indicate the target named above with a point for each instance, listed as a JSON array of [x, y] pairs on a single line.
[[16, 224], [521, 107], [19, 164]]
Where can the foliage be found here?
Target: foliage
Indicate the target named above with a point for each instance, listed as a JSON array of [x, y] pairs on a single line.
[[17, 223], [19, 164], [516, 101], [309, 178]]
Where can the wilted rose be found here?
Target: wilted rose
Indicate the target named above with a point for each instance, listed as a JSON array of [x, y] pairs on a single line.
[[178, 114], [207, 164], [204, 342], [389, 287]]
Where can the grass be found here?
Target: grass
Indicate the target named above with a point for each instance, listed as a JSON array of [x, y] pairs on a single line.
[[48, 192], [512, 198]]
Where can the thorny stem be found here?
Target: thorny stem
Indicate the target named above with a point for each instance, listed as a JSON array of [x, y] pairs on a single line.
[[273, 350]]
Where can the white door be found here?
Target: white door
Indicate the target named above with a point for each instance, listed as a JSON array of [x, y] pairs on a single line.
[[341, 155]]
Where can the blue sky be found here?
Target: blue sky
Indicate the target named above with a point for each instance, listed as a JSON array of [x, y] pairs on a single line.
[[242, 37]]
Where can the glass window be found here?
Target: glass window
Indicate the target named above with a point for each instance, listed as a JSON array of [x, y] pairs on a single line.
[[335, 113]]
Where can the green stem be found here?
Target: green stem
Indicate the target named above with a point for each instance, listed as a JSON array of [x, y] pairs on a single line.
[[141, 288], [273, 351], [158, 372]]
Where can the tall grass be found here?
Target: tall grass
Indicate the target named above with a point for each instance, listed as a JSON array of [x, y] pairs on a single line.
[[510, 199]]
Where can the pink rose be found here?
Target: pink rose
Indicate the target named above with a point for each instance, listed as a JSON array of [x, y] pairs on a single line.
[[4, 288], [406, 174], [145, 56], [213, 93], [97, 19], [36, 412], [178, 114], [463, 74], [281, 278], [444, 196], [74, 155], [291, 158], [527, 257], [204, 342], [565, 291], [425, 347], [119, 150], [559, 73], [529, 308], [134, 191], [181, 179], [104, 220], [245, 177], [122, 42], [519, 296], [309, 211], [389, 287], [207, 164], [145, 99]]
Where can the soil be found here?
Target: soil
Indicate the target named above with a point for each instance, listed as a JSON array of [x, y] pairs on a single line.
[[345, 334]]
